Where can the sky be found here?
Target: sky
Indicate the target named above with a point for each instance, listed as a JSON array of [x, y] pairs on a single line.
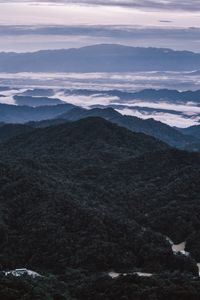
[[36, 25]]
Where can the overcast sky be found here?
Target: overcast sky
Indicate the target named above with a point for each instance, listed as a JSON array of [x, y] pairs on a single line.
[[35, 25]]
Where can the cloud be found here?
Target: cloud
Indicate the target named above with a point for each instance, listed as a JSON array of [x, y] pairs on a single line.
[[186, 5], [121, 32], [165, 21], [171, 119]]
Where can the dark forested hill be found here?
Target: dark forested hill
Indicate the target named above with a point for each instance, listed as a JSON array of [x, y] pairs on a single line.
[[89, 136], [81, 199], [7, 131], [52, 173]]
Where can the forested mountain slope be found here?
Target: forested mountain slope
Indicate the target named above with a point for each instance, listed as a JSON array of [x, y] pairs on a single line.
[[7, 131], [81, 199], [75, 195]]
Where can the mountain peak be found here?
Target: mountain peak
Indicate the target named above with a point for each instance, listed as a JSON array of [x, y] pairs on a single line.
[[89, 136]]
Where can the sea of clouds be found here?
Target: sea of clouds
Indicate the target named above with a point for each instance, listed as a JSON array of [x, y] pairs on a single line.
[[175, 114]]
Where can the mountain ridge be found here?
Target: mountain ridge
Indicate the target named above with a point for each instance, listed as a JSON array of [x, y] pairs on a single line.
[[151, 127], [100, 58], [44, 116], [98, 129]]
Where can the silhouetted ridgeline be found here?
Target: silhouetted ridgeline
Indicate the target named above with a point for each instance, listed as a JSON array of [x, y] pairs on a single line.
[[23, 114], [161, 95], [100, 58], [36, 101], [56, 114]]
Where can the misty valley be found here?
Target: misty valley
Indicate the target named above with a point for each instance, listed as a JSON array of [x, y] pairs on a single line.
[[170, 97]]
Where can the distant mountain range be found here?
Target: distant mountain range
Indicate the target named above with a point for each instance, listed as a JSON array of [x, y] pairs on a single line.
[[169, 106], [166, 95], [35, 96], [36, 101], [23, 114], [36, 92], [100, 58], [161, 95]]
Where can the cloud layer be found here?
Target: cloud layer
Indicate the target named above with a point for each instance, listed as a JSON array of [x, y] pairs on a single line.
[[186, 5], [30, 25], [191, 33], [32, 38]]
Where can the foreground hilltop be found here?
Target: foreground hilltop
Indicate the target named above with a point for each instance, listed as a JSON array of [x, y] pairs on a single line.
[[87, 136], [85, 198], [88, 174]]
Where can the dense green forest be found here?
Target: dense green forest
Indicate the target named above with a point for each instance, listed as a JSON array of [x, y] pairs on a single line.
[[81, 199]]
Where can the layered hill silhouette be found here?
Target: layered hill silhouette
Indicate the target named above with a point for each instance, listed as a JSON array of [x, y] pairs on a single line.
[[100, 58], [161, 95], [67, 112], [151, 127], [23, 114], [167, 95], [36, 101]]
